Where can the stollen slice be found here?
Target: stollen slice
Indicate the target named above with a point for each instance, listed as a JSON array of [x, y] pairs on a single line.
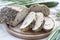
[[49, 24], [39, 22], [28, 21]]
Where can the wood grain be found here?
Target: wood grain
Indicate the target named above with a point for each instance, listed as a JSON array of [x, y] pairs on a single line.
[[15, 31]]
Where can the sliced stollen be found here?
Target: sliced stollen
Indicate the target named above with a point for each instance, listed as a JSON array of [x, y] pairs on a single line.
[[26, 25], [49, 24], [39, 22], [40, 8], [21, 15], [14, 14]]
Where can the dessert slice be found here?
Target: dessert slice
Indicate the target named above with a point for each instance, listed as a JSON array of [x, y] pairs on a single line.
[[39, 22], [13, 14], [26, 25], [49, 24], [40, 8]]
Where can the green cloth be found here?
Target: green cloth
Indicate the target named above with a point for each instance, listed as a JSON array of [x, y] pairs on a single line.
[[21, 2], [55, 35]]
